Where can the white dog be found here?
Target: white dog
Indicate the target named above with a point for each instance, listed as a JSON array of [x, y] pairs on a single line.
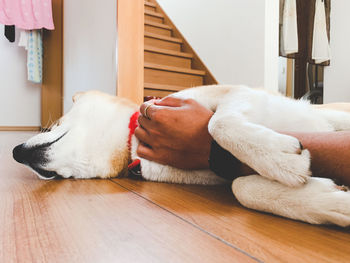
[[91, 140]]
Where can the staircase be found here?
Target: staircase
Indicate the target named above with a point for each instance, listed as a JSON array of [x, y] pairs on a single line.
[[170, 64]]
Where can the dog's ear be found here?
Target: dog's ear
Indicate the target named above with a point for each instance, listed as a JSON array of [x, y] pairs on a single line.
[[77, 96]]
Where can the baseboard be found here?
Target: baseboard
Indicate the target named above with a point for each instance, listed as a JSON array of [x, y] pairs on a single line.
[[20, 128]]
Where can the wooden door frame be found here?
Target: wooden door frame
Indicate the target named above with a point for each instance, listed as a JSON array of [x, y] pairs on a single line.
[[52, 86], [130, 26]]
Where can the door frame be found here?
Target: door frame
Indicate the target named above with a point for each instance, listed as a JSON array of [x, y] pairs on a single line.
[[52, 85], [130, 27]]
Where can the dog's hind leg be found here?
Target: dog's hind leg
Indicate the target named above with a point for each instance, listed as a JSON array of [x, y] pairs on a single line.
[[272, 155], [339, 120], [320, 201]]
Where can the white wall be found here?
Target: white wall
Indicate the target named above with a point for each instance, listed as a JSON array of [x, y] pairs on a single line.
[[19, 99], [337, 75], [89, 47], [271, 45], [228, 35]]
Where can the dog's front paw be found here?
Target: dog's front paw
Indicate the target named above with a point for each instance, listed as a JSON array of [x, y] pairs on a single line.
[[285, 161]]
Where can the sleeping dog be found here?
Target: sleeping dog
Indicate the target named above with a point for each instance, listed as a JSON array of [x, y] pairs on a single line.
[[92, 140]]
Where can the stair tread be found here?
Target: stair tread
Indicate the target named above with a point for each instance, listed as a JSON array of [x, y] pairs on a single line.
[[152, 13], [175, 69], [168, 52], [163, 87], [152, 23], [162, 37], [150, 4]]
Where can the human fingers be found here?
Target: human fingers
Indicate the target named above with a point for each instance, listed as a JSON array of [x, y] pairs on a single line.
[[154, 113], [150, 111], [144, 108], [159, 155], [170, 102], [142, 135], [145, 152], [145, 123]]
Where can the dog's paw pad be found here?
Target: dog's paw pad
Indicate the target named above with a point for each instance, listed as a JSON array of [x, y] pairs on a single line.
[[342, 188]]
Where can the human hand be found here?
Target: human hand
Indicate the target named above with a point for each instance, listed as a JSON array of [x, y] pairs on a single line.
[[176, 133]]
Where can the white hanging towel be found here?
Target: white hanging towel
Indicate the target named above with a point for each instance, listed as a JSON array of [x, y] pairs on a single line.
[[289, 40], [321, 51], [23, 39]]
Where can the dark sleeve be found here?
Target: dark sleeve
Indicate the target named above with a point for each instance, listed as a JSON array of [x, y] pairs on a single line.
[[10, 33], [223, 163]]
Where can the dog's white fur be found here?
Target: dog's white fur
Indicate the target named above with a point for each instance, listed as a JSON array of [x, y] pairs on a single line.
[[245, 123]]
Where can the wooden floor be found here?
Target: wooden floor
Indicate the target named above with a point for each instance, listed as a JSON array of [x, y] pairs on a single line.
[[124, 220]]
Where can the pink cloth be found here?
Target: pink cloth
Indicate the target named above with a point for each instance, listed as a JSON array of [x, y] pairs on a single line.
[[27, 14]]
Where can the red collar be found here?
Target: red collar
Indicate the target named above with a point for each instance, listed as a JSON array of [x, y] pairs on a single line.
[[133, 124]]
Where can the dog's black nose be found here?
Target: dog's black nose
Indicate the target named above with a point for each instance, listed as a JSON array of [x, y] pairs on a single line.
[[35, 158], [19, 153]]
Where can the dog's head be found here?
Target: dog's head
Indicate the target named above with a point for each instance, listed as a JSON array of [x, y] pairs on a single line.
[[89, 141]]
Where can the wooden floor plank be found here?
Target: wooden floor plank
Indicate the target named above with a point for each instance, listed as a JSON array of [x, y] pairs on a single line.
[[92, 221], [266, 237]]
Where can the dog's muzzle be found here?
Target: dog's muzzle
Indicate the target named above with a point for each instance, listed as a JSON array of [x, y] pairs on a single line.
[[35, 157]]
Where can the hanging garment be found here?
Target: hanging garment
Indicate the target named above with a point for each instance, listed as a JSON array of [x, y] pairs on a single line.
[[10, 33], [306, 11], [320, 43], [23, 39], [35, 56], [27, 14], [289, 33]]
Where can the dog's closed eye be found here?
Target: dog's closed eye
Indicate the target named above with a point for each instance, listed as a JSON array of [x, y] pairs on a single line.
[[52, 126]]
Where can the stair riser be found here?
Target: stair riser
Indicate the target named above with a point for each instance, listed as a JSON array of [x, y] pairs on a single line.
[[162, 44], [154, 18], [158, 30], [172, 78], [156, 93], [151, 8], [163, 59]]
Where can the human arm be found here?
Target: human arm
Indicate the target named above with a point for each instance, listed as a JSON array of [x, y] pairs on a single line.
[[330, 153], [177, 135]]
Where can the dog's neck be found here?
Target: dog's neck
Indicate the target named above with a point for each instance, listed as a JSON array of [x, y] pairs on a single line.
[[133, 167], [125, 144]]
